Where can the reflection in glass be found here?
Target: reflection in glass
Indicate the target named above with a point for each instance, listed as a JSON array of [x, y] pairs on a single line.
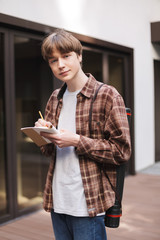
[[92, 63], [33, 87], [3, 194], [116, 73]]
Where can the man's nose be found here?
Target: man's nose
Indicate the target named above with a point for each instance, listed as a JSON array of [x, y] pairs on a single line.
[[61, 63]]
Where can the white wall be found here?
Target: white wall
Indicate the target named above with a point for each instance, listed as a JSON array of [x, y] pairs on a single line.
[[125, 22]]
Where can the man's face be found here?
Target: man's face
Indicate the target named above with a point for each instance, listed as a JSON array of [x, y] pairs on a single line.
[[66, 66]]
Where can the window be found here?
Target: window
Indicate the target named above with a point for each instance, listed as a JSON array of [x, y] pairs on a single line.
[[33, 87], [26, 83], [3, 160], [106, 67], [92, 63], [116, 73]]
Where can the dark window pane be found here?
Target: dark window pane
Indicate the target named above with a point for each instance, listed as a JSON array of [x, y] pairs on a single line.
[[116, 73], [92, 63], [3, 160], [33, 88]]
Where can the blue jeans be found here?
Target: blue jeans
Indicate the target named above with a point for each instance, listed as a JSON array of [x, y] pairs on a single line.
[[67, 227]]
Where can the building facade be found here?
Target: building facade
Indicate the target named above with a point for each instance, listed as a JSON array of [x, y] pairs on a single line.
[[121, 47]]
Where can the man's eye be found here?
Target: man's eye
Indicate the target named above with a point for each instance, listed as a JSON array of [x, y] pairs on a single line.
[[53, 61], [66, 56]]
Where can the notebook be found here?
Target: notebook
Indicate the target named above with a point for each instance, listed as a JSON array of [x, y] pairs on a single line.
[[34, 134]]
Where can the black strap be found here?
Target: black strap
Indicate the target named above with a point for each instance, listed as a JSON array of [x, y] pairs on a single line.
[[113, 188], [91, 107], [90, 121]]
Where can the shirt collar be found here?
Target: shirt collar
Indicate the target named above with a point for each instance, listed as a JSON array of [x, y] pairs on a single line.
[[87, 90]]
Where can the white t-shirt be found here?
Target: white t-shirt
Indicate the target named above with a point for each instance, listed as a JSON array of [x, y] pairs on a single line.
[[67, 185]]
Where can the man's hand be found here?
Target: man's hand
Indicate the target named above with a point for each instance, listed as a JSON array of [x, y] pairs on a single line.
[[42, 123], [64, 139]]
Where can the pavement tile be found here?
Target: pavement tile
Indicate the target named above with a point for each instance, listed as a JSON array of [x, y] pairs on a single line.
[[140, 219]]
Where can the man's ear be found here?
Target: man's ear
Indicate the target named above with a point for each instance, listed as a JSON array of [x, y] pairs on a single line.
[[80, 58]]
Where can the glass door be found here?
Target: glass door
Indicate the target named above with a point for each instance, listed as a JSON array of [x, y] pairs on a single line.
[[157, 109], [3, 159], [92, 63], [116, 73], [33, 86], [111, 68], [26, 83], [106, 67]]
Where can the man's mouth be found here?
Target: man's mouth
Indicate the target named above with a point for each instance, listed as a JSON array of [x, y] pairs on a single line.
[[64, 73]]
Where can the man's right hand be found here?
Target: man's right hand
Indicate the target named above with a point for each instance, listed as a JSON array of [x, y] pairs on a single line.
[[42, 123]]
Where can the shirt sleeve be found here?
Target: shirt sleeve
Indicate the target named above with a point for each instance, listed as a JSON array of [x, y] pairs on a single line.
[[48, 149], [115, 148]]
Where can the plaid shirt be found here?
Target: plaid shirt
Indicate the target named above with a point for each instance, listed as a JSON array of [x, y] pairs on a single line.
[[106, 147]]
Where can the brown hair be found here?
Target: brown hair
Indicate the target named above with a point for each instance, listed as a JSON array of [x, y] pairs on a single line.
[[62, 41]]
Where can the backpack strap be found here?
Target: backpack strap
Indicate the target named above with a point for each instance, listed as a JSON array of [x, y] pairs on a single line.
[[91, 106], [90, 120]]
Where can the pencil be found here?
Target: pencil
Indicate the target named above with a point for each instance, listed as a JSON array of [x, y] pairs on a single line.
[[41, 115], [50, 126]]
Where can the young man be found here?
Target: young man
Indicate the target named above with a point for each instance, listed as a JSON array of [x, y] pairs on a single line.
[[77, 192]]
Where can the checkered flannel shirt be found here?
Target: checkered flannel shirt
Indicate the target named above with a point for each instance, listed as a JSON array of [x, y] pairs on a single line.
[[107, 146]]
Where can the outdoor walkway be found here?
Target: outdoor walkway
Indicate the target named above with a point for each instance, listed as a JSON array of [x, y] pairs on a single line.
[[140, 220]]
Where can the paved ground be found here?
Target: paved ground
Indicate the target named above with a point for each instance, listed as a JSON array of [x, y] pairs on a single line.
[[154, 169], [140, 220], [141, 209]]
